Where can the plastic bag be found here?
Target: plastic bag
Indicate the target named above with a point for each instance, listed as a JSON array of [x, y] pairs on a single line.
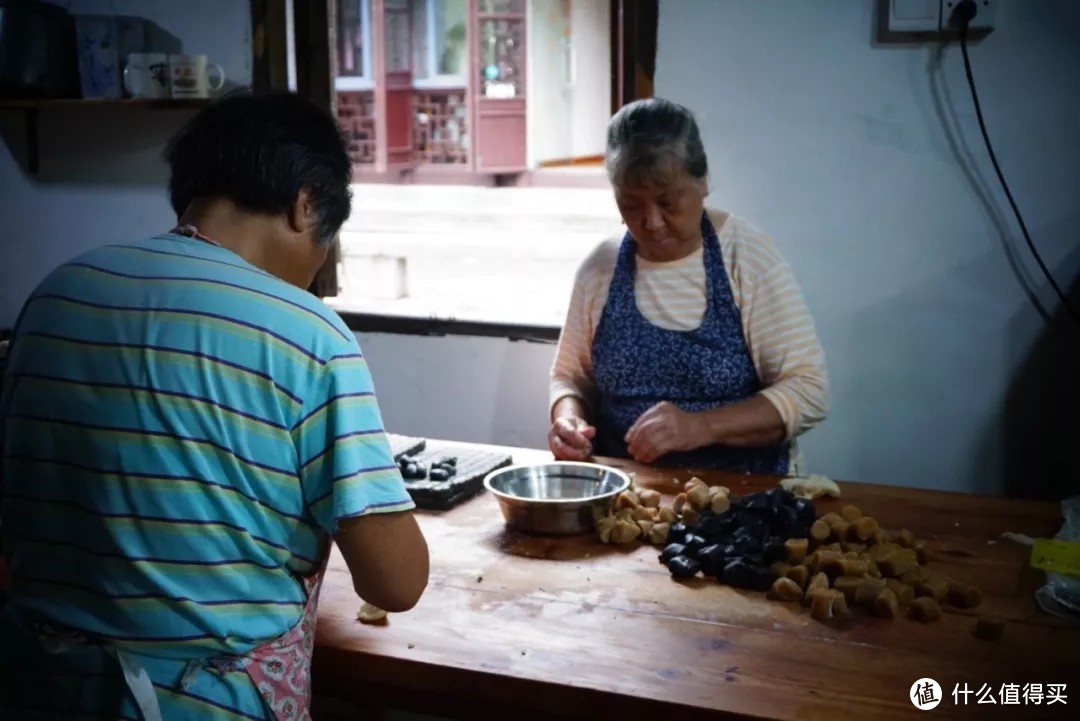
[[1061, 594]]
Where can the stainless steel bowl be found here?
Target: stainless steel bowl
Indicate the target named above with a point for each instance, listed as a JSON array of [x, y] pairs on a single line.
[[557, 498]]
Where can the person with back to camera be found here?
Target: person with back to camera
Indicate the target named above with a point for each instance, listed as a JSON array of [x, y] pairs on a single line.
[[687, 342], [184, 430]]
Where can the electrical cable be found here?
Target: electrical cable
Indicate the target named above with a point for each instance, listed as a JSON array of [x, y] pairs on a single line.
[[963, 14]]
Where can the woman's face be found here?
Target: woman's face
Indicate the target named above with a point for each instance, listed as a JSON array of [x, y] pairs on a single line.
[[665, 220]]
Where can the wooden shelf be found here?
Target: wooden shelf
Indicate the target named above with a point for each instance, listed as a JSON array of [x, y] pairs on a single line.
[[32, 106]]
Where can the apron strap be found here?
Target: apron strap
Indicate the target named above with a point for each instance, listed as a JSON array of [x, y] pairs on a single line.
[[55, 641], [139, 683]]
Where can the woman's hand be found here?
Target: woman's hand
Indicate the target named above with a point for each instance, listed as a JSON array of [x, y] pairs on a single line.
[[570, 438], [665, 428]]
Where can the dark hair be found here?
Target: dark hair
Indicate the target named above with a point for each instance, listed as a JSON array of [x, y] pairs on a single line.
[[650, 140], [260, 151]]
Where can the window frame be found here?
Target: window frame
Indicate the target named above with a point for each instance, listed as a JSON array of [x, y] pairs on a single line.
[[346, 83], [412, 325]]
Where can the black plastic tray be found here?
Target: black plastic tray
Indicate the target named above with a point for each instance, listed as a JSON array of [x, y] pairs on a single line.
[[472, 467]]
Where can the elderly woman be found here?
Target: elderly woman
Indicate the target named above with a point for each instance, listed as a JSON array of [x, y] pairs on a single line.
[[688, 342], [184, 430]]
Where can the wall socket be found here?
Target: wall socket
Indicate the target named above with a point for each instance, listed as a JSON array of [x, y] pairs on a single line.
[[985, 19], [921, 21], [913, 16]]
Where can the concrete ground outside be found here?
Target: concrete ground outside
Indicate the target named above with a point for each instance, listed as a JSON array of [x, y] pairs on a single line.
[[503, 255]]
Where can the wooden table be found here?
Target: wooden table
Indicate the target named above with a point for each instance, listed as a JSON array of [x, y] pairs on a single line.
[[515, 627]]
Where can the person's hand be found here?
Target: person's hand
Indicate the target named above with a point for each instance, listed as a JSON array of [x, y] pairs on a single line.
[[570, 439], [665, 428]]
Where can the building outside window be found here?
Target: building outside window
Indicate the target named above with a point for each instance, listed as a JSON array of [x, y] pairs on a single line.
[[354, 71], [464, 99], [439, 43]]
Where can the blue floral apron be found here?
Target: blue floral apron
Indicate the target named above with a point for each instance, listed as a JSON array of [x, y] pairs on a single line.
[[637, 364]]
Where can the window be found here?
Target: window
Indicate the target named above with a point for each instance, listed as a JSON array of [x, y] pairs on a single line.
[[397, 36], [353, 45], [439, 43], [452, 244]]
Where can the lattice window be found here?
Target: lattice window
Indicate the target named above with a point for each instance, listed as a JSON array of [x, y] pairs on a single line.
[[398, 42], [441, 127], [353, 32], [356, 114], [502, 60]]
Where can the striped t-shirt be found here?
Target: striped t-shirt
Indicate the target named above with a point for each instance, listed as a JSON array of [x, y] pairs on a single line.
[[181, 433], [778, 328]]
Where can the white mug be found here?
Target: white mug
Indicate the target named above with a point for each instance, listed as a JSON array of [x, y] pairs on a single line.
[[190, 76], [146, 75]]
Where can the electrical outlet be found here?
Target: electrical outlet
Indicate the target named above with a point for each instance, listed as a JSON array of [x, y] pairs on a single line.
[[985, 16], [913, 16]]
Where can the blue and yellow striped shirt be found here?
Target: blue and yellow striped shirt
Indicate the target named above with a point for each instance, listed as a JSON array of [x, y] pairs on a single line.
[[181, 431]]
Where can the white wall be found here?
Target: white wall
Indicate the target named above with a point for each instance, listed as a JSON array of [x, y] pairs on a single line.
[[486, 390], [548, 134], [866, 165], [590, 23], [102, 178], [941, 368]]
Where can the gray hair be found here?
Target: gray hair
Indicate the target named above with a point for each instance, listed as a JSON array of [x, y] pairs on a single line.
[[650, 142]]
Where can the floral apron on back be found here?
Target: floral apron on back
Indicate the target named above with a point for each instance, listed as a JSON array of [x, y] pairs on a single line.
[[281, 669], [637, 364]]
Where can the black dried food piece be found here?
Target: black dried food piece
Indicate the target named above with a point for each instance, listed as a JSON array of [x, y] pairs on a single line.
[[412, 472], [761, 578], [785, 521], [736, 573], [448, 470], [715, 527], [712, 559], [683, 567], [694, 543], [755, 524], [806, 511], [677, 533], [421, 469], [757, 500], [671, 551], [755, 559], [778, 497], [747, 545], [447, 461], [438, 474], [773, 550]]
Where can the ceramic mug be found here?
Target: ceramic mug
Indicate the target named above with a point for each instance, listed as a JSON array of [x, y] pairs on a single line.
[[190, 76], [146, 75]]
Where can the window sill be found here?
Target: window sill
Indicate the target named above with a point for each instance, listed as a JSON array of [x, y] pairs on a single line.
[[413, 325], [446, 82], [453, 310], [353, 84]]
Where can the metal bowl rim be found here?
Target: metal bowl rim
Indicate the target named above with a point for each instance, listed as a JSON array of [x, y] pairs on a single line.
[[625, 484]]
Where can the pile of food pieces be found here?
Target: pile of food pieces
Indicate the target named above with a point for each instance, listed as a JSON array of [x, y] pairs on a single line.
[[439, 470], [772, 541]]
